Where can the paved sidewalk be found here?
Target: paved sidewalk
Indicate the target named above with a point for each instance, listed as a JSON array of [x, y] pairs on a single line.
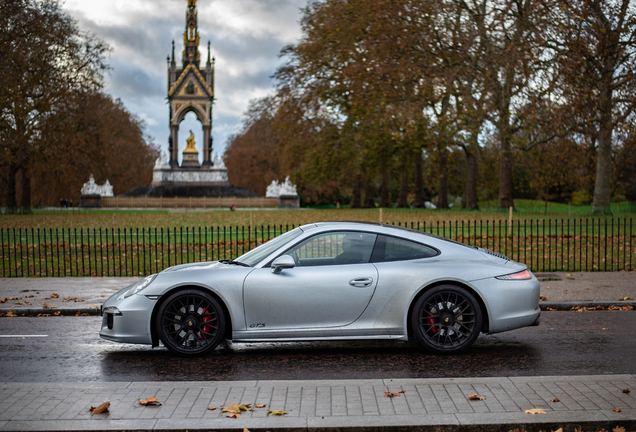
[[356, 405]]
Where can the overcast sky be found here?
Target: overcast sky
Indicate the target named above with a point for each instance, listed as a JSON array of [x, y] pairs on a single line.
[[246, 37]]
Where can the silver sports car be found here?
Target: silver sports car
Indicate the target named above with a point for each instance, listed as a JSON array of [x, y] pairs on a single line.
[[330, 281]]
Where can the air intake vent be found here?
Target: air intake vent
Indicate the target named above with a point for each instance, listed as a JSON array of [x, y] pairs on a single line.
[[493, 253]]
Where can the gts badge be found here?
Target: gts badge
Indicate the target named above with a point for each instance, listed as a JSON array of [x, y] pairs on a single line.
[[257, 325]]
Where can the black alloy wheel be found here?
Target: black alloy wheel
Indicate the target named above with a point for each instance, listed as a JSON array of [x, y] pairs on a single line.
[[446, 320], [190, 322]]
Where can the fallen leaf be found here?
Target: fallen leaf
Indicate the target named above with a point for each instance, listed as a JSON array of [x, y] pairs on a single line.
[[550, 309], [54, 295], [617, 410], [625, 307], [12, 298], [29, 296], [618, 429], [276, 413], [542, 298], [246, 429], [626, 391], [625, 298], [237, 408], [534, 411], [233, 415], [211, 408], [150, 401], [476, 397], [10, 314], [92, 307], [555, 400], [603, 328], [391, 394], [100, 408], [260, 405], [79, 313]]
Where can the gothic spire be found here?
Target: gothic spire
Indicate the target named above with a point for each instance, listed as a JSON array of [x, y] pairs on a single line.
[[191, 36]]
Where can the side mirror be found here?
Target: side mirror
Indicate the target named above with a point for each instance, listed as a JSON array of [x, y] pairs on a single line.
[[282, 262]]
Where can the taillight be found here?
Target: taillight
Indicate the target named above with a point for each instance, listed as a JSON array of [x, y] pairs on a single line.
[[524, 275]]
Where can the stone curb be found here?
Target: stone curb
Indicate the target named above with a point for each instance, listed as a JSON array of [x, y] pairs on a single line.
[[566, 306], [62, 311]]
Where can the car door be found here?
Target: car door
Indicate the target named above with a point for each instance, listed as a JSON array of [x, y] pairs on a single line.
[[330, 286]]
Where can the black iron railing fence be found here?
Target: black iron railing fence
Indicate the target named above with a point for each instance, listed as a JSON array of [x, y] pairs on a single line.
[[544, 245]]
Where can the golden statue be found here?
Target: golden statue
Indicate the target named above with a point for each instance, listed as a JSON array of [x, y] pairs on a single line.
[[190, 144]]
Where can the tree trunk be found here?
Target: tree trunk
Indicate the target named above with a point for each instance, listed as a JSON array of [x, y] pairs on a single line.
[[419, 181], [385, 193], [356, 193], [403, 198], [12, 171], [442, 187], [369, 199], [470, 189], [26, 190], [602, 186], [505, 173]]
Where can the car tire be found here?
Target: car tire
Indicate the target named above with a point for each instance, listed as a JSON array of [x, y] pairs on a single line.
[[190, 322], [446, 319]]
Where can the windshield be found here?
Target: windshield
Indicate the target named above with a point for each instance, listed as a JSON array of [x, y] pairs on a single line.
[[254, 256]]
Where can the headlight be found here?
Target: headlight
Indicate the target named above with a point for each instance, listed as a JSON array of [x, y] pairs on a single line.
[[140, 285]]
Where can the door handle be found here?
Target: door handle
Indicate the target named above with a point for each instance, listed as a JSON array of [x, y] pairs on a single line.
[[361, 282]]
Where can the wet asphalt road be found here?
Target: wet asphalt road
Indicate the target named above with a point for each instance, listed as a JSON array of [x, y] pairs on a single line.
[[566, 343]]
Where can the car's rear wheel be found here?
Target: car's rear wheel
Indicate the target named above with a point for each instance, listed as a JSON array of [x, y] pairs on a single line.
[[190, 322], [446, 319]]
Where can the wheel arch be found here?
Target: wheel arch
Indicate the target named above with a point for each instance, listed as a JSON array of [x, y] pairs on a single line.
[[164, 296], [485, 325]]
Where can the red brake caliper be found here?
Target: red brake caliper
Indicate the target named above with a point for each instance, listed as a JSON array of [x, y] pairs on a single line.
[[205, 319], [431, 321]]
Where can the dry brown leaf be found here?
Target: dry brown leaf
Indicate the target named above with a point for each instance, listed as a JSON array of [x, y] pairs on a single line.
[[233, 415], [10, 314], [260, 405], [391, 394], [211, 408], [276, 413], [246, 429], [559, 430], [626, 391], [555, 400], [29, 296], [100, 408], [618, 429], [237, 408], [534, 411], [542, 298], [150, 401], [54, 295], [625, 298], [550, 309], [476, 397], [617, 410]]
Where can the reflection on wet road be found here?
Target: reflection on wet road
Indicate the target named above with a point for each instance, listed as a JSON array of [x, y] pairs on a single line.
[[566, 343]]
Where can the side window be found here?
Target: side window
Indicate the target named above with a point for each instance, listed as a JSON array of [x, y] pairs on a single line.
[[334, 248], [396, 249]]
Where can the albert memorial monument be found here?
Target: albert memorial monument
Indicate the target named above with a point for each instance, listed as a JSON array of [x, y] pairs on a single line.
[[190, 90]]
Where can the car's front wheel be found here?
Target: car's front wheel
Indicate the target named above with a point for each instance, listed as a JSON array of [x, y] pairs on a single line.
[[190, 322], [446, 319]]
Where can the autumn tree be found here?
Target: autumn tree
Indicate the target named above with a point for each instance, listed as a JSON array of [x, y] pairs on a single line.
[[252, 156], [44, 57], [597, 44], [89, 133]]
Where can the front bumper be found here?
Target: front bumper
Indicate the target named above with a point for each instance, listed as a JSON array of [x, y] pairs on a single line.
[[130, 322]]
